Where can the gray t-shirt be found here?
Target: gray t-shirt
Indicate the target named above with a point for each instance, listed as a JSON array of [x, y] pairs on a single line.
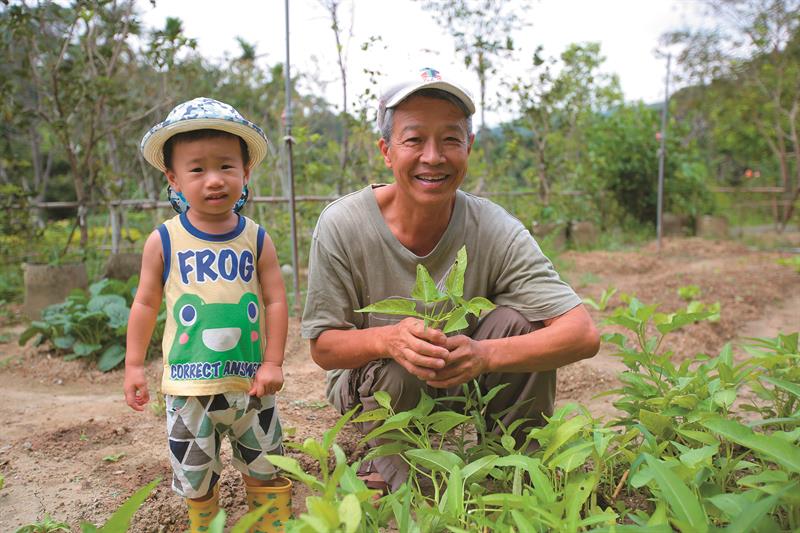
[[355, 260]]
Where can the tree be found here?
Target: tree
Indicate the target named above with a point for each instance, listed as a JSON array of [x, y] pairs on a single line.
[[482, 30], [557, 101], [750, 63]]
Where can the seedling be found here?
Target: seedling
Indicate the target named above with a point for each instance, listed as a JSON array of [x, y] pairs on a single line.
[[689, 292], [604, 299], [113, 458], [46, 525], [446, 310]]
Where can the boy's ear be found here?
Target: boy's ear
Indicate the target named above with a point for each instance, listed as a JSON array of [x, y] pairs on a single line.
[[170, 175], [246, 176]]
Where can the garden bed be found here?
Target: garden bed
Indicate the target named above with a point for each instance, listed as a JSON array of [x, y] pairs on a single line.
[[73, 449]]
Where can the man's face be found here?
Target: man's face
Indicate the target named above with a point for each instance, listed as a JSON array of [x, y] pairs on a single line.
[[428, 150]]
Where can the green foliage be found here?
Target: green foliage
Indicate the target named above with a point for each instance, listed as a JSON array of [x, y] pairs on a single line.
[[46, 525], [121, 519], [340, 501], [441, 309], [623, 150], [605, 297], [91, 324], [681, 445], [792, 262], [689, 292]]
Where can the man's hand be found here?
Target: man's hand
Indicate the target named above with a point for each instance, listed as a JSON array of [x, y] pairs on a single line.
[[420, 350], [135, 387], [465, 361], [268, 380]]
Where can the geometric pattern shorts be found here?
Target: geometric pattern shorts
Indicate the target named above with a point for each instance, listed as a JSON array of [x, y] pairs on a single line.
[[196, 426]]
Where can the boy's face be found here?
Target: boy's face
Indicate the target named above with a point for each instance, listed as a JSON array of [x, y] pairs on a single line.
[[210, 173]]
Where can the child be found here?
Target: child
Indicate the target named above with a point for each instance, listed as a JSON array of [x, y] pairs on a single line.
[[225, 300]]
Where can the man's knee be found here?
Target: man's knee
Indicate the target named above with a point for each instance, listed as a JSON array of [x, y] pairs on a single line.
[[504, 322], [402, 386]]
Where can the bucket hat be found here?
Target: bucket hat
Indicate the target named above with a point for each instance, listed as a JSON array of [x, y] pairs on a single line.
[[203, 113], [427, 78]]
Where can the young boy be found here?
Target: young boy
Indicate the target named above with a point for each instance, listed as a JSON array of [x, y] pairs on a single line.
[[225, 301]]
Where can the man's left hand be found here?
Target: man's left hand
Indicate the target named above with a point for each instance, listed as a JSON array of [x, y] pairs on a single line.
[[466, 361]]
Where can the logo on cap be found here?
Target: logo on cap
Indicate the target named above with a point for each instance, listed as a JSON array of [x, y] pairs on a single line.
[[429, 74]]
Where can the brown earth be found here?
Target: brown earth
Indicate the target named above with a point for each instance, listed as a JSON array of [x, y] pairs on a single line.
[[71, 448]]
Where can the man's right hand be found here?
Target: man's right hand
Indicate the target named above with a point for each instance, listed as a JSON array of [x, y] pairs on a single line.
[[419, 349], [136, 393]]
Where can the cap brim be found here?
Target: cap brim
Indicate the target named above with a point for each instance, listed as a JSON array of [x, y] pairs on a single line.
[[153, 143], [455, 90]]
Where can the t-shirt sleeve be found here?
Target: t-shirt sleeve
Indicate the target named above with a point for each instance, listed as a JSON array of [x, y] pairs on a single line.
[[527, 281], [331, 298]]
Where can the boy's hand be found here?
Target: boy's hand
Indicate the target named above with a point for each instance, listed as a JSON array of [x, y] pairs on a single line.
[[268, 380], [136, 393]]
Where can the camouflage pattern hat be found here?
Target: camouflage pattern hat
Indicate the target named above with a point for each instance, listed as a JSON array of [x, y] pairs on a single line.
[[198, 114]]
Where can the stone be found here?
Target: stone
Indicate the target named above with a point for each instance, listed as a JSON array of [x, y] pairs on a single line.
[[673, 225], [583, 234], [712, 227], [50, 284], [123, 265]]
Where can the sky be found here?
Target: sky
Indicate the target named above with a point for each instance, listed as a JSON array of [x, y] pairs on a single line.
[[627, 30]]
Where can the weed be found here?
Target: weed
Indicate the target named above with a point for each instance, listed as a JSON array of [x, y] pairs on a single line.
[[46, 525], [113, 458], [793, 262], [605, 297], [689, 292], [159, 405]]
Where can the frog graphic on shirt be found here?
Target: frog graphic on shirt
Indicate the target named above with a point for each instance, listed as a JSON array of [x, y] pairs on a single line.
[[215, 339]]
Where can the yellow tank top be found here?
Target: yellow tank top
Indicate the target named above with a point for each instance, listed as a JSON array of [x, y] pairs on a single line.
[[215, 317]]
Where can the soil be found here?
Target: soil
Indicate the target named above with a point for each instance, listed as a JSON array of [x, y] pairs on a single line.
[[71, 448]]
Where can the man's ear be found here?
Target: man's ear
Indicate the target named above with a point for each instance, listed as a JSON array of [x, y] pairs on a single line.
[[471, 142], [384, 148]]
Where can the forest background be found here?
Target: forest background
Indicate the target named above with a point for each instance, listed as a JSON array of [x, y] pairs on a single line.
[[81, 81]]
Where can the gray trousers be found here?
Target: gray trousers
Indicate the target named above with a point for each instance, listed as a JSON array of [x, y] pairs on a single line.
[[528, 395]]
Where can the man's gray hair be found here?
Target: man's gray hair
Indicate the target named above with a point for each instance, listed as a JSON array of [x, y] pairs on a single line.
[[388, 115]]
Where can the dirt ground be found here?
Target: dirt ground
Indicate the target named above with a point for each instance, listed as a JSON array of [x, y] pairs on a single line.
[[71, 448]]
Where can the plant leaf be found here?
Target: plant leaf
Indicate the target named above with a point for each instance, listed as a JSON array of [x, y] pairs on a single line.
[[780, 451], [681, 500], [111, 357], [454, 285], [437, 460], [425, 288], [350, 513], [392, 306], [121, 519], [457, 320]]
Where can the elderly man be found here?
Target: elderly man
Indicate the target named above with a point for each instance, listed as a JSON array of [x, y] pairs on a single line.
[[366, 247]]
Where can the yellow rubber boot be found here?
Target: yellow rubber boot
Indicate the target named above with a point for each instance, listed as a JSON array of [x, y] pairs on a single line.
[[202, 513], [278, 496]]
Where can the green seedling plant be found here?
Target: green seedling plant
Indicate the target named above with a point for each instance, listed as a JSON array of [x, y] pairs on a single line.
[[446, 310], [689, 292], [792, 262], [341, 502], [45, 525], [494, 480], [777, 384], [91, 324], [605, 297]]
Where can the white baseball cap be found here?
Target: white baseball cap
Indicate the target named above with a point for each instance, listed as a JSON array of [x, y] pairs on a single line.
[[428, 78]]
